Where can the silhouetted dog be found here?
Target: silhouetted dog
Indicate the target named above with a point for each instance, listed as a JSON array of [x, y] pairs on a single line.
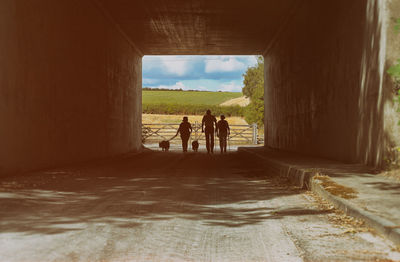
[[164, 145], [195, 145]]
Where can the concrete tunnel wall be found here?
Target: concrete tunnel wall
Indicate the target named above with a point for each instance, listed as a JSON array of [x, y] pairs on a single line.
[[324, 92], [70, 85]]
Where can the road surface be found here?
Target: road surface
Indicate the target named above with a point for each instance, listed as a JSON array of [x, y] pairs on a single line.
[[174, 207]]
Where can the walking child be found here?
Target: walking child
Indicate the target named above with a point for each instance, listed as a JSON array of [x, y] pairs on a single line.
[[223, 131]]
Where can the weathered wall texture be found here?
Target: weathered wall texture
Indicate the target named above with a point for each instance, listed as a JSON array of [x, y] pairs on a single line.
[[323, 82], [392, 117], [70, 85]]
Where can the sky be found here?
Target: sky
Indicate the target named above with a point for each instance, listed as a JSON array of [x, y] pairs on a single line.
[[206, 73]]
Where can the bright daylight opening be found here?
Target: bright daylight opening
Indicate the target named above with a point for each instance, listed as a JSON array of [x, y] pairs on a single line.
[[175, 87]]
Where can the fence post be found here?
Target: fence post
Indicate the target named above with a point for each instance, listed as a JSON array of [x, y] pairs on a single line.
[[255, 134]]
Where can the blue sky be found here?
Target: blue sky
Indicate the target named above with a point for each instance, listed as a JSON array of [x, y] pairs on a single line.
[[211, 73]]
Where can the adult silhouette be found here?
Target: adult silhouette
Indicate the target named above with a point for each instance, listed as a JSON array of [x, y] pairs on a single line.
[[223, 132], [208, 122], [185, 129]]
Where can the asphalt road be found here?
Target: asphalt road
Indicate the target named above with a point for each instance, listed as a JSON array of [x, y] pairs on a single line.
[[174, 207]]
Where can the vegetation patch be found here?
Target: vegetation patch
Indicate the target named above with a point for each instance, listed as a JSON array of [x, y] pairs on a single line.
[[394, 72], [254, 89], [335, 189], [392, 160], [392, 174], [189, 103]]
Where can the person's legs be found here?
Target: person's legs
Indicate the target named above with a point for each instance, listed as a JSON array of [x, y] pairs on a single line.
[[208, 140], [224, 143], [185, 140], [212, 141]]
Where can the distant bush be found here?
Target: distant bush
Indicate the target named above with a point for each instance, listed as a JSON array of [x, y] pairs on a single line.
[[179, 109], [254, 88]]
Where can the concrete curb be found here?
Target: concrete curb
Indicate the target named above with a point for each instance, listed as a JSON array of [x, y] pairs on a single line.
[[381, 225], [296, 175], [304, 178]]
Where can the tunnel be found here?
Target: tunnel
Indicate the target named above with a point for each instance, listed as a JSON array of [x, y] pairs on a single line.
[[70, 73]]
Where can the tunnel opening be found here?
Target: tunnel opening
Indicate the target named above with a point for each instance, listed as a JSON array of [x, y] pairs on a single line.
[[71, 92], [187, 86]]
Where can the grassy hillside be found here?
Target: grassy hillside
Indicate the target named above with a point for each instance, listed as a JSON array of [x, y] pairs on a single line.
[[187, 97]]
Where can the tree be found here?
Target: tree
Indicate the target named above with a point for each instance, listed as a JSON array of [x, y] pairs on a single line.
[[254, 89]]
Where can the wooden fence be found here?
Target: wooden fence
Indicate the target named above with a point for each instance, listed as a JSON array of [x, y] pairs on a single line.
[[154, 133]]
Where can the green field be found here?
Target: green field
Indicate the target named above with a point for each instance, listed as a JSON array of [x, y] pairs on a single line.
[[187, 97]]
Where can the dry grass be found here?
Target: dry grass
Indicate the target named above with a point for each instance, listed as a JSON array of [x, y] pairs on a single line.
[[169, 119], [336, 189], [241, 101], [392, 174], [350, 225]]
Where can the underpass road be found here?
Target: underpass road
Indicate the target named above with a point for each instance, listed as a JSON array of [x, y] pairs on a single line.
[[175, 207]]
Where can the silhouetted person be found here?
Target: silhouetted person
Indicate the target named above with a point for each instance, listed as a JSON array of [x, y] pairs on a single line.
[[208, 121], [185, 128], [223, 132]]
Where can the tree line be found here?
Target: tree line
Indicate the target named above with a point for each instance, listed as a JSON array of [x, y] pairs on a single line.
[[254, 89]]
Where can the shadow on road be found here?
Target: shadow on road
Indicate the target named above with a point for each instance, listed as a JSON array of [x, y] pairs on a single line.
[[217, 190]]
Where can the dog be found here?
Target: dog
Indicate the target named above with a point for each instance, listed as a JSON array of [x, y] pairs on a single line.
[[164, 145], [195, 145]]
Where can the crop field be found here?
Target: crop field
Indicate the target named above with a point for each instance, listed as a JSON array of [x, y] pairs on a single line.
[[187, 97], [189, 103]]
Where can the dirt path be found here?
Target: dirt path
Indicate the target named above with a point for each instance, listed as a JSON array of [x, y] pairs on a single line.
[[173, 207]]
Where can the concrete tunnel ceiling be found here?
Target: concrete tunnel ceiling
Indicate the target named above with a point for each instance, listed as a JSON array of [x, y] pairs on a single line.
[[199, 27]]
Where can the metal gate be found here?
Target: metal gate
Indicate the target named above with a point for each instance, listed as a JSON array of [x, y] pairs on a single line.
[[154, 133]]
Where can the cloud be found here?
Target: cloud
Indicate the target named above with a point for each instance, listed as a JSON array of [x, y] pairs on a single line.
[[196, 72], [223, 64], [251, 60], [175, 65], [200, 88], [178, 85], [230, 87], [181, 85], [148, 81]]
